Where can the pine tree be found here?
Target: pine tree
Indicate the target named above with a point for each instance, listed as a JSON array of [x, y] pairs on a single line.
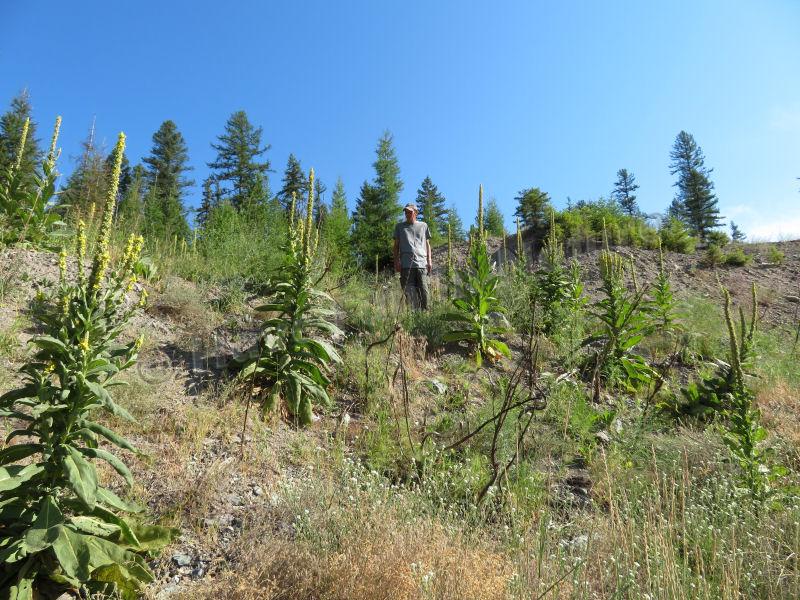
[[294, 182], [623, 193], [237, 162], [336, 227], [320, 208], [453, 221], [166, 183], [698, 202], [378, 207], [432, 210], [533, 207], [11, 125], [493, 220]]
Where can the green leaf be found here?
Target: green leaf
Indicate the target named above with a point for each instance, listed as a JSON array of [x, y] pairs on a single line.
[[114, 461], [108, 402], [111, 436], [13, 476], [18, 452], [82, 476], [46, 528], [22, 590], [94, 526], [46, 342], [111, 499], [72, 553]]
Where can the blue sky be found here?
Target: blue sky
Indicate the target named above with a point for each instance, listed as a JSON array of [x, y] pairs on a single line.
[[556, 95]]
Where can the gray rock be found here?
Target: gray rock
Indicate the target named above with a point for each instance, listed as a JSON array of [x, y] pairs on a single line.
[[257, 491], [602, 437], [168, 591], [182, 560], [225, 520], [198, 573], [235, 500], [795, 299]]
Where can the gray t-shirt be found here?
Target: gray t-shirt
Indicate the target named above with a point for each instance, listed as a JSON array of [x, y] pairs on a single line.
[[413, 244]]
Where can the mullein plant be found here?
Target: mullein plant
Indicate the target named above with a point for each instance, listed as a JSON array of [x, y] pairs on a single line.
[[742, 432], [624, 323], [662, 307], [60, 530], [479, 314], [294, 365], [25, 199]]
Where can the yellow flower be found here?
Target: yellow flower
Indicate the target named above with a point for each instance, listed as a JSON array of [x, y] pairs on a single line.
[[84, 343], [142, 299], [139, 342], [49, 369]]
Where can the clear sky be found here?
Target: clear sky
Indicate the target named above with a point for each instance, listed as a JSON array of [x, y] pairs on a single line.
[[511, 94]]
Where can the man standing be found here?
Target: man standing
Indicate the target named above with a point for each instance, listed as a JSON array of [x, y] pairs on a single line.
[[412, 257]]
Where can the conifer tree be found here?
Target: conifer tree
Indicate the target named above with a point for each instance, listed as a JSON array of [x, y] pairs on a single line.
[[432, 210], [493, 220], [453, 221], [737, 235], [623, 192], [131, 203], [167, 183], [237, 163], [211, 199], [698, 203], [336, 227], [533, 207], [378, 207], [320, 208], [294, 182], [11, 125]]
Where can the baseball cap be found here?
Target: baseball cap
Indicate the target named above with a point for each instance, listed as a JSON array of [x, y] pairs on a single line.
[[411, 206]]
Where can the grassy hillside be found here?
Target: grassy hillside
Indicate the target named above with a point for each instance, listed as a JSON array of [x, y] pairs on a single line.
[[541, 475]]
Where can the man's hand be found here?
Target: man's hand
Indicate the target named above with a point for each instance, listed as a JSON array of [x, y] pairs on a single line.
[[430, 267]]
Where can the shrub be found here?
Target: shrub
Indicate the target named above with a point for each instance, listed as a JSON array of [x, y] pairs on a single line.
[[675, 237], [59, 528], [713, 257], [775, 256], [737, 258]]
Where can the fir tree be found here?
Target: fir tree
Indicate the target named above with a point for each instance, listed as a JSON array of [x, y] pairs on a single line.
[[237, 162], [433, 211], [533, 207], [294, 182], [493, 220], [166, 183], [11, 125], [378, 207], [320, 208], [453, 221], [623, 192], [336, 227], [698, 202]]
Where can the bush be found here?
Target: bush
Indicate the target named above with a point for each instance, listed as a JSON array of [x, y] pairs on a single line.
[[675, 237], [737, 258], [775, 256], [713, 257]]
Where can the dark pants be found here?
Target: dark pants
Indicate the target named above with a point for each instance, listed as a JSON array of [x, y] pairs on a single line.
[[415, 287]]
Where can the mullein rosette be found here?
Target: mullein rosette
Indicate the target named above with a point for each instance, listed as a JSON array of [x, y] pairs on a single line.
[[59, 528]]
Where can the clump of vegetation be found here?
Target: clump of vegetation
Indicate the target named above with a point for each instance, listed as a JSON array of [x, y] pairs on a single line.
[[59, 528], [737, 258], [775, 256], [713, 257]]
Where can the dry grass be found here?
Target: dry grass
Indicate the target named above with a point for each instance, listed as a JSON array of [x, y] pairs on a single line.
[[384, 558]]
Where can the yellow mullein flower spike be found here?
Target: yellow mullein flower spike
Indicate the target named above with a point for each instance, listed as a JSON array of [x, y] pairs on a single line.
[[480, 212], [21, 148], [62, 265], [51, 155]]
